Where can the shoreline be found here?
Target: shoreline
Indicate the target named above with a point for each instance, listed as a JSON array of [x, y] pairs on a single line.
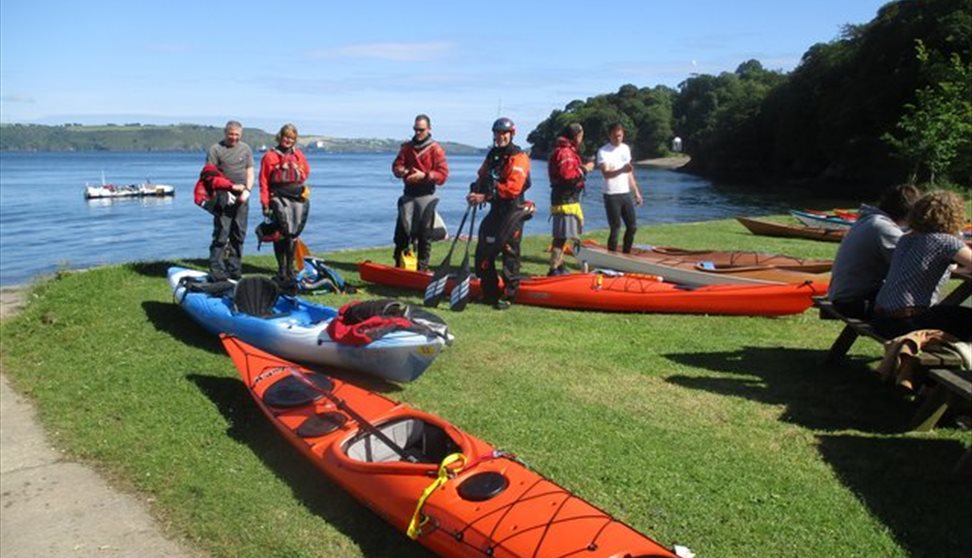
[[13, 299]]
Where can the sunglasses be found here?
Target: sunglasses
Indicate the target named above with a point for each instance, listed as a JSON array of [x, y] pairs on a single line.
[[420, 129]]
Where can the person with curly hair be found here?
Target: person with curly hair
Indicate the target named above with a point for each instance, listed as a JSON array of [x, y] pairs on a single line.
[[920, 267]]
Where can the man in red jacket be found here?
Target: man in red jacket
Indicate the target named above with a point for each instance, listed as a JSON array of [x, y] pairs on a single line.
[[421, 164], [567, 173]]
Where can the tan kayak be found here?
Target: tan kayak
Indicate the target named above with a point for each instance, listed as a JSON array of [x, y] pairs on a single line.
[[706, 267], [770, 228]]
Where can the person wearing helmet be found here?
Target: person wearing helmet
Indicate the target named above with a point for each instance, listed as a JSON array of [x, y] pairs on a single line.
[[614, 161], [234, 158], [501, 181], [567, 173], [421, 164]]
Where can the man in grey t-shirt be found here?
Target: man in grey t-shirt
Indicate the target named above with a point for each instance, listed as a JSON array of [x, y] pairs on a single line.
[[235, 160], [864, 255]]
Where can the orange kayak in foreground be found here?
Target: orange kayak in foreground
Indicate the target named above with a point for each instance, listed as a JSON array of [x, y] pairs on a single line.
[[451, 492], [627, 293]]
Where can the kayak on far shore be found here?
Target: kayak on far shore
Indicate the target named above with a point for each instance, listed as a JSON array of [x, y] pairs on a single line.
[[771, 228]]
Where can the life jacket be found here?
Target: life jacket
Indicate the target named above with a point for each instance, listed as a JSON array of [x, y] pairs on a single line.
[[317, 275], [210, 180], [287, 170], [566, 172], [360, 323], [498, 168]]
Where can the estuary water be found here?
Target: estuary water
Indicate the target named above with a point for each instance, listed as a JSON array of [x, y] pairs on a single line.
[[46, 224]]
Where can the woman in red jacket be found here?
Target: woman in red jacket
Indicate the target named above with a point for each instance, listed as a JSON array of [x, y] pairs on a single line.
[[285, 198]]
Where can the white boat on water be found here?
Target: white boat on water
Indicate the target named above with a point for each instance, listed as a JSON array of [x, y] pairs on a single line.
[[143, 190]]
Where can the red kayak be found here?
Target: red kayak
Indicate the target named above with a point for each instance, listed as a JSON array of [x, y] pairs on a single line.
[[627, 293], [451, 492]]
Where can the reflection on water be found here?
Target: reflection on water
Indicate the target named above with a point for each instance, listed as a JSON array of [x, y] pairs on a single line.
[[45, 222]]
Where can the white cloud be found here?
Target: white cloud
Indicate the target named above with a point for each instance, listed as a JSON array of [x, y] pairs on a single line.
[[397, 52]]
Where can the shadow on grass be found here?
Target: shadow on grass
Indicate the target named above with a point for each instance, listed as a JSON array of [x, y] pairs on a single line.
[[908, 484], [170, 318], [310, 487], [844, 397]]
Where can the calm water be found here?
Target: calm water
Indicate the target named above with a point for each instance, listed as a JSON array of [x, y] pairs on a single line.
[[46, 224]]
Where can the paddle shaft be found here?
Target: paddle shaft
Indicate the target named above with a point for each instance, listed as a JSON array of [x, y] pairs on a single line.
[[340, 404], [461, 290], [462, 223], [436, 287]]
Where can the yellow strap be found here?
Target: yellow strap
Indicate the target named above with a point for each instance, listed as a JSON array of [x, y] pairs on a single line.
[[415, 525], [568, 209]]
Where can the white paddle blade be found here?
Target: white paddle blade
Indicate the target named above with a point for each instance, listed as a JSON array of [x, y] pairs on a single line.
[[434, 291], [460, 295]]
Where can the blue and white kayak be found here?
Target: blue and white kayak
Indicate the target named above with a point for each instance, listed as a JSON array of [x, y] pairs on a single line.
[[297, 330], [829, 222]]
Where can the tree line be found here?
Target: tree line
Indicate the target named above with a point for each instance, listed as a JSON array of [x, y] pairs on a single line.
[[888, 101]]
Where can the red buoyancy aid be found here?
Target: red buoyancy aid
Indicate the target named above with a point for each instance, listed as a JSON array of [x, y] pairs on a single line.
[[350, 331], [210, 180]]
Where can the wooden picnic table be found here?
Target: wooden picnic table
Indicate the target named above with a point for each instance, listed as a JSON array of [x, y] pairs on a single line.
[[950, 384]]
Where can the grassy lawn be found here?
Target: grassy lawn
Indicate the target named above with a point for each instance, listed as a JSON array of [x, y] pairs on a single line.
[[724, 434]]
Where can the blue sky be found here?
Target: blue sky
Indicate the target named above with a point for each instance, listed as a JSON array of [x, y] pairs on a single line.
[[364, 69]]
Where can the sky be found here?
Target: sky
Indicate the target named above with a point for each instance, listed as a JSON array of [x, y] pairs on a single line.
[[365, 69]]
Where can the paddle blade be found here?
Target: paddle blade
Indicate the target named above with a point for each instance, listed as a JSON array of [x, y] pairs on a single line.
[[460, 293], [301, 250], [436, 287]]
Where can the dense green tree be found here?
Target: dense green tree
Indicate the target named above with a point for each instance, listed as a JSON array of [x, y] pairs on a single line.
[[645, 113], [938, 125]]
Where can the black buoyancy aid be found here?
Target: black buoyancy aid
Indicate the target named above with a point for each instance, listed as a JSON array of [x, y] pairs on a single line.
[[497, 160]]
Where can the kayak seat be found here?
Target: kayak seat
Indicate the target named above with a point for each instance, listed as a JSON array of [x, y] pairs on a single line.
[[256, 296], [422, 442]]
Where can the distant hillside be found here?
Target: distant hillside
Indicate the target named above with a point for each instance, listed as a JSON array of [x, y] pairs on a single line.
[[373, 145], [176, 137]]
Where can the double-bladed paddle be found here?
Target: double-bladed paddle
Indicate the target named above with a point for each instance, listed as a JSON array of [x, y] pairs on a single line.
[[436, 287], [460, 293]]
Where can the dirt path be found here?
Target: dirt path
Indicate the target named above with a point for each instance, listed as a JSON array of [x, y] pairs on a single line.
[[54, 507]]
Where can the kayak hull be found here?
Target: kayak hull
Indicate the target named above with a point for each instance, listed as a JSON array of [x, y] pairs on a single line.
[[769, 228], [298, 331], [627, 293], [702, 267], [831, 222], [529, 516]]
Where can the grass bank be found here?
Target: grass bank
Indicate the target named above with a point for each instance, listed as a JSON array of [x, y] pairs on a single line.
[[721, 433]]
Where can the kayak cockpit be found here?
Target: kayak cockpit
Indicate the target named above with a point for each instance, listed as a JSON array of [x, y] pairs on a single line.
[[420, 441]]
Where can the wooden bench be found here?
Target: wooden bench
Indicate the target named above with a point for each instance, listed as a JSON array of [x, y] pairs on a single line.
[[951, 386], [854, 328]]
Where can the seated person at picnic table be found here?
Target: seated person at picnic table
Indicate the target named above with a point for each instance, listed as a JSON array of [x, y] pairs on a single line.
[[864, 255], [920, 267]]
